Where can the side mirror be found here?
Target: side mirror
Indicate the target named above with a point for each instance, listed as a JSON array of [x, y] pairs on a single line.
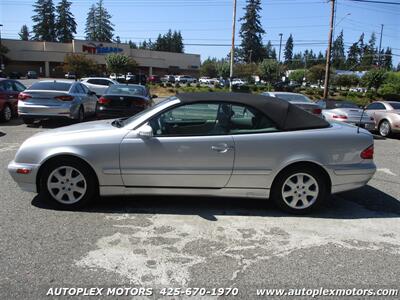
[[145, 132], [154, 96]]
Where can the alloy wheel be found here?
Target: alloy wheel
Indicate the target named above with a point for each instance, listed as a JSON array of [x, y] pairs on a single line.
[[67, 185], [300, 191], [384, 128], [7, 113]]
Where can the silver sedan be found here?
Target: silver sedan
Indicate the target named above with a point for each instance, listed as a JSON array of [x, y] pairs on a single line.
[[210, 144], [56, 99]]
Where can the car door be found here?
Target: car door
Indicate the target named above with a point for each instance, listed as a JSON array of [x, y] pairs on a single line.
[[259, 147], [375, 110], [190, 148], [89, 99]]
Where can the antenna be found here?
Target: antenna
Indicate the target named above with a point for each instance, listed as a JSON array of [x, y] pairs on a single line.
[[359, 123]]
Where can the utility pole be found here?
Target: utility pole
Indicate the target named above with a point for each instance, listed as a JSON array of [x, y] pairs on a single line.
[[328, 52], [380, 47], [1, 54], [233, 44], [280, 47]]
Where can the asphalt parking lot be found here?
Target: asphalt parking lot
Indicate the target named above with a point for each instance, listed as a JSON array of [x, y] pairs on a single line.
[[157, 242]]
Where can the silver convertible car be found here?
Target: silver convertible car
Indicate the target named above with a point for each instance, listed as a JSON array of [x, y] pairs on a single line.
[[209, 144]]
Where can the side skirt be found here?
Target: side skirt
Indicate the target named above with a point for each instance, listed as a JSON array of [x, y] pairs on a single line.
[[224, 192]]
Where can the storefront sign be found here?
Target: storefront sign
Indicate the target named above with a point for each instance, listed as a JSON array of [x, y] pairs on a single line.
[[100, 49]]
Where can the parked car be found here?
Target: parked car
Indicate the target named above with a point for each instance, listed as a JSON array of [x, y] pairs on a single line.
[[238, 81], [154, 79], [56, 99], [136, 79], [14, 75], [386, 115], [98, 85], [70, 75], [204, 80], [347, 112], [9, 91], [32, 75], [185, 79], [116, 77], [210, 144], [299, 100], [123, 100], [168, 79]]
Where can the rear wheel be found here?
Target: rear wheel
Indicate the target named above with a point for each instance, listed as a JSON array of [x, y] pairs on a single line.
[[27, 120], [384, 128], [6, 113], [300, 190], [68, 184], [81, 114]]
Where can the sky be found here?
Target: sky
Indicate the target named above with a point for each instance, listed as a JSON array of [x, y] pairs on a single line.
[[206, 25]]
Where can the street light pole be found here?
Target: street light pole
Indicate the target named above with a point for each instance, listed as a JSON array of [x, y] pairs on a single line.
[[328, 52], [280, 47], [380, 47], [233, 44], [1, 54]]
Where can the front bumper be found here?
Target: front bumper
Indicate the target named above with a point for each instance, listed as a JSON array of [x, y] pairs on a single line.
[[26, 182]]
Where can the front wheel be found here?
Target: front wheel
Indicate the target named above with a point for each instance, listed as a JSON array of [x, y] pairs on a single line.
[[68, 184], [384, 128], [6, 114], [300, 190]]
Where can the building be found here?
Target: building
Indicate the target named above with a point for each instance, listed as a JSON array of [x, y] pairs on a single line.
[[47, 58]]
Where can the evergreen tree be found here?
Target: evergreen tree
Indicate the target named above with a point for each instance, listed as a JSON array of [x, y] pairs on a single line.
[[132, 45], [251, 32], [24, 33], [65, 23], [387, 59], [338, 56], [288, 51], [270, 51], [44, 21], [170, 42], [104, 27], [90, 28], [369, 53], [320, 58], [353, 56], [178, 42]]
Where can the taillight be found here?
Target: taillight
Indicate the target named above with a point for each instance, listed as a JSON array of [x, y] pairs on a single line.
[[368, 153], [341, 117], [317, 111], [23, 96], [141, 103], [103, 100], [65, 98]]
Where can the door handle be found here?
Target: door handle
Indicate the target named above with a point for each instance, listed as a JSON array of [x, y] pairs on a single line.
[[221, 148]]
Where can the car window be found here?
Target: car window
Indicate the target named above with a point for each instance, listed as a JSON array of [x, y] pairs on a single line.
[[377, 106], [131, 90], [395, 105], [92, 81], [18, 87], [7, 86], [51, 86], [293, 98], [85, 89], [321, 104], [210, 119], [80, 89]]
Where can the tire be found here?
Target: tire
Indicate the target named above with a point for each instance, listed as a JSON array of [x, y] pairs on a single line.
[[81, 115], [384, 128], [28, 121], [300, 196], [6, 114], [68, 184]]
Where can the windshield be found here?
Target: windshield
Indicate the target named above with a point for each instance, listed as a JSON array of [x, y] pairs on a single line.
[[143, 112], [395, 105], [294, 98], [125, 90], [51, 86], [345, 105]]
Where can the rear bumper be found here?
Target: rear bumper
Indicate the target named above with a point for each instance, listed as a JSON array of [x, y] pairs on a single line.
[[105, 112], [26, 182], [349, 177], [42, 111]]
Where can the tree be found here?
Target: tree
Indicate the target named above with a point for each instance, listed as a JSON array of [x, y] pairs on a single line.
[[44, 19], [24, 33], [374, 78], [369, 53], [65, 23], [391, 85], [223, 68], [246, 70], [338, 56], [317, 73], [79, 64], [268, 69], [288, 52], [209, 68], [251, 32], [170, 42], [120, 63], [353, 56], [298, 75], [132, 45], [98, 24], [346, 80], [177, 42], [387, 59]]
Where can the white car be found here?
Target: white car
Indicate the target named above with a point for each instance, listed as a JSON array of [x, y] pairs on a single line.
[[114, 76], [204, 80], [185, 79], [238, 81], [98, 84]]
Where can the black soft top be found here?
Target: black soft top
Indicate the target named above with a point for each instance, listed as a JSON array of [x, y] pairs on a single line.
[[285, 115]]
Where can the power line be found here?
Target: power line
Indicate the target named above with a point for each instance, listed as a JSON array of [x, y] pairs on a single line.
[[377, 2]]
